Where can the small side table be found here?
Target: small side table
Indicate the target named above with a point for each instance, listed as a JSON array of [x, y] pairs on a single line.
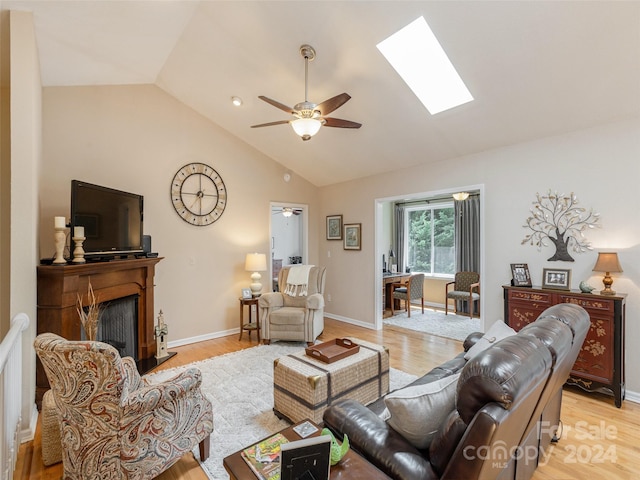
[[251, 325]]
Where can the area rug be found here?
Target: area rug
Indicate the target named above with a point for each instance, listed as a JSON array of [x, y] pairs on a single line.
[[437, 323], [240, 387]]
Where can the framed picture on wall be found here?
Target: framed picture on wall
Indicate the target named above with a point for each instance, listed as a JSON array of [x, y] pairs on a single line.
[[334, 227], [520, 274], [556, 278], [352, 236]]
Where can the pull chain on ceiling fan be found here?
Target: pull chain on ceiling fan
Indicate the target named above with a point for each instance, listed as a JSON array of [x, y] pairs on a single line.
[[310, 116]]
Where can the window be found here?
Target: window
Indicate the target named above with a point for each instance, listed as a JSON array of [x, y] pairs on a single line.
[[430, 239], [416, 54]]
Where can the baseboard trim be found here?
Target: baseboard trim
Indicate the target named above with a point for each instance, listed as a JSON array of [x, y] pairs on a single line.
[[202, 338], [632, 396], [27, 434], [351, 321]]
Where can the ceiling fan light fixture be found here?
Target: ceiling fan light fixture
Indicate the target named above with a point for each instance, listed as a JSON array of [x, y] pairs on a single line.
[[459, 196], [237, 101], [306, 127], [310, 116], [287, 212]]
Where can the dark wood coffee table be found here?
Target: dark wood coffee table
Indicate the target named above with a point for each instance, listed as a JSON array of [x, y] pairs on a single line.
[[351, 467]]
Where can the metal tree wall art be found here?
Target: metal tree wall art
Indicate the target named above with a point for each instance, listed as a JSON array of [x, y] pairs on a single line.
[[559, 219]]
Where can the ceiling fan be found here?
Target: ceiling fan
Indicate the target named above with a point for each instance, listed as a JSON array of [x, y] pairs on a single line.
[[288, 211], [309, 117]]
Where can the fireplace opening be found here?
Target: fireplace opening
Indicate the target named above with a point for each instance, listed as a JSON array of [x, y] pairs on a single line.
[[118, 325]]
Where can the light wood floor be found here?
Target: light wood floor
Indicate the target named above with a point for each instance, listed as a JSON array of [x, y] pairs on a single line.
[[599, 441]]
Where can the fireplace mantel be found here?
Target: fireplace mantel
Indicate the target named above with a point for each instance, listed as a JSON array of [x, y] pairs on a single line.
[[59, 286]]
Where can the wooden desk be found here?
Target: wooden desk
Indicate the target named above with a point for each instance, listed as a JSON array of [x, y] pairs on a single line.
[[387, 280], [352, 467], [251, 325]]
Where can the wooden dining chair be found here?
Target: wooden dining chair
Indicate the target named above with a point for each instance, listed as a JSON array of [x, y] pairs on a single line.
[[412, 289], [466, 287]]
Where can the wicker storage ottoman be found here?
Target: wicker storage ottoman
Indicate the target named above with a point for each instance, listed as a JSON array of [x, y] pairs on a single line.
[[303, 387], [51, 442]]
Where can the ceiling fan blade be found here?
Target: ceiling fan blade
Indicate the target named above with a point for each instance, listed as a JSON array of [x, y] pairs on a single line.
[[279, 122], [338, 122], [277, 104], [330, 105]]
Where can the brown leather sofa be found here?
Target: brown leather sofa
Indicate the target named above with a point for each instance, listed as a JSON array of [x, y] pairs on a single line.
[[507, 407]]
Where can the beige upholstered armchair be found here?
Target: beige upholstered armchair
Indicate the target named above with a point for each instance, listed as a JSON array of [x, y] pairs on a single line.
[[466, 287], [114, 423], [412, 289], [297, 311]]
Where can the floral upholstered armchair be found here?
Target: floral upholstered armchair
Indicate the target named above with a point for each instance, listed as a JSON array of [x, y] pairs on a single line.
[[114, 423]]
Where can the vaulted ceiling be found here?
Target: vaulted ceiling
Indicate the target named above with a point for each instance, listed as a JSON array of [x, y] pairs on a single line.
[[535, 68]]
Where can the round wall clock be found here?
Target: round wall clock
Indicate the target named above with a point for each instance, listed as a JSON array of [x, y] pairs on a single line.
[[198, 194]]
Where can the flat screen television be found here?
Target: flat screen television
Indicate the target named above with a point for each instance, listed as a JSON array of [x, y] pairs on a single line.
[[112, 219]]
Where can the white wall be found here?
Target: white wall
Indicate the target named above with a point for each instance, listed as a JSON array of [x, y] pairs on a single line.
[[26, 119], [135, 138], [600, 165]]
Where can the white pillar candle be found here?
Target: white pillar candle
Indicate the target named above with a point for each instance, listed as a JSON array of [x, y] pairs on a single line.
[[60, 222], [78, 232]]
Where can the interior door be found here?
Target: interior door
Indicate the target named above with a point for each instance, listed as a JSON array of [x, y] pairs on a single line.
[[289, 233]]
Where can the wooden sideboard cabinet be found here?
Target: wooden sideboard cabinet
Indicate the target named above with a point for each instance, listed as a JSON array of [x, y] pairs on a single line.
[[600, 364]]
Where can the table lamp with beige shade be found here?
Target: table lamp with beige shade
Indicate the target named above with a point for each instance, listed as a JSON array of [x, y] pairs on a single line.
[[607, 262]]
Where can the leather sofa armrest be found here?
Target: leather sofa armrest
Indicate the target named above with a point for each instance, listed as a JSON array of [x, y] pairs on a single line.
[[315, 301], [271, 299], [377, 441], [471, 340]]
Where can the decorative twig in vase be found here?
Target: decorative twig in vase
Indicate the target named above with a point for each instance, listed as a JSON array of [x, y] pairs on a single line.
[[91, 316]]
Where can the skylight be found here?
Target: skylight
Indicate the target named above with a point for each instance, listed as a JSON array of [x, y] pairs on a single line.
[[415, 53]]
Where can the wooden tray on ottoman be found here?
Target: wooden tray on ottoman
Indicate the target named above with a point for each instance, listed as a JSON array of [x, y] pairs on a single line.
[[336, 349]]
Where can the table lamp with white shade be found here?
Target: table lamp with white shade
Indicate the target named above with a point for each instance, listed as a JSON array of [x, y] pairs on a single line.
[[255, 262]]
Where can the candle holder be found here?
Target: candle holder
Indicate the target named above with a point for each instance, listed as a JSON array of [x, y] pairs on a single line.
[[78, 251], [59, 237]]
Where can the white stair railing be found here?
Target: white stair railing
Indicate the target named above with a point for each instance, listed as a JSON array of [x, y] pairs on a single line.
[[11, 393]]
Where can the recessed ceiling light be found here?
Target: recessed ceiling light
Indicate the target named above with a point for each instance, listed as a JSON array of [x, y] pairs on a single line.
[[237, 101], [415, 53]]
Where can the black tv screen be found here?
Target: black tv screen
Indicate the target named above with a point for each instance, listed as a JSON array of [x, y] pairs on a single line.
[[112, 219]]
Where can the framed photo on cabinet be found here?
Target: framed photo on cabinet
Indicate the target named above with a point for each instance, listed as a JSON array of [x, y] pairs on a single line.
[[352, 236], [520, 274], [557, 278], [334, 227]]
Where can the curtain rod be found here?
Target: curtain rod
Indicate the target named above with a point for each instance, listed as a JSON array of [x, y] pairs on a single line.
[[434, 199]]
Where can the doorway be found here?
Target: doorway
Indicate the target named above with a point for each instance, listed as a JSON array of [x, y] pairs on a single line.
[[384, 237], [289, 237]]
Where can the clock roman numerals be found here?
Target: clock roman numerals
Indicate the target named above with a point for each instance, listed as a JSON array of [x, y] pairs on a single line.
[[198, 194]]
